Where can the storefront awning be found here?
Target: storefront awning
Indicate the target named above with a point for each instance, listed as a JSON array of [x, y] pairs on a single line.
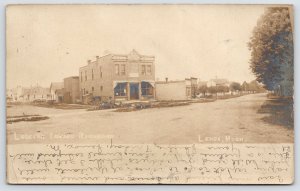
[[150, 82], [115, 83]]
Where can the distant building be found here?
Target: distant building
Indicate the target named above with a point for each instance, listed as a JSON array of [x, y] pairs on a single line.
[[174, 90], [10, 95], [194, 86], [71, 90], [218, 82], [118, 77], [14, 94], [35, 93], [59, 94], [54, 91], [245, 86]]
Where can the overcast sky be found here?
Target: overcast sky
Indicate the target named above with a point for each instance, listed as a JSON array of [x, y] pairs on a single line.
[[48, 43]]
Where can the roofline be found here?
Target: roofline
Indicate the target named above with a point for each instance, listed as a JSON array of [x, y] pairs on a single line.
[[95, 60], [56, 82], [117, 55], [164, 82], [72, 77]]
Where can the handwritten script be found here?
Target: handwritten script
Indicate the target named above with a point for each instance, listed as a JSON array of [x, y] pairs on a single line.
[[151, 164]]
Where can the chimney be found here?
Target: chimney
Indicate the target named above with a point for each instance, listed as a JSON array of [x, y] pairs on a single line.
[[166, 80], [89, 61]]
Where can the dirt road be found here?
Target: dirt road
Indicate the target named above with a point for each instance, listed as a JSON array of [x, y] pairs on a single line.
[[231, 120]]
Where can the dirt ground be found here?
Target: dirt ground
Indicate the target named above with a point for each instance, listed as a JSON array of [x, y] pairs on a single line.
[[230, 120]]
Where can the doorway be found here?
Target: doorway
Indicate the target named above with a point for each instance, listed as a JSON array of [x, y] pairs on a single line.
[[134, 91]]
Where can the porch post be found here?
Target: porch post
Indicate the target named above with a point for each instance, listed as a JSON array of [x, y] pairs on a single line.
[[154, 92], [128, 91], [113, 91], [140, 90]]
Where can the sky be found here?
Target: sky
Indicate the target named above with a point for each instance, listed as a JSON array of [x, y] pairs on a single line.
[[48, 43]]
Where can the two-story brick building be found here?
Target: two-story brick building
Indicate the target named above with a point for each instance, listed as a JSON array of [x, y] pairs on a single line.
[[118, 77]]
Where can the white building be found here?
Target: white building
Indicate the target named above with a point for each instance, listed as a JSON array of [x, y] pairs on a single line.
[[218, 82], [173, 90], [15, 94], [54, 93]]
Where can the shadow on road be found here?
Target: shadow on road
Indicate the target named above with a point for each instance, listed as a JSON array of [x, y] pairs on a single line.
[[280, 110]]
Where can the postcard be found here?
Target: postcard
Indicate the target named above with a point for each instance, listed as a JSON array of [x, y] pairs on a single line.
[[150, 94]]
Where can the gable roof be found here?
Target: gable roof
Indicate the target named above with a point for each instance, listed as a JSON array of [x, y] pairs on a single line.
[[56, 85]]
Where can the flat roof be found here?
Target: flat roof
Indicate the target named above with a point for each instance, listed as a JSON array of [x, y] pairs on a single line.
[[164, 82]]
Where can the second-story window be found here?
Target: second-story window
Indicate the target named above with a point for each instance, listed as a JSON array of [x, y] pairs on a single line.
[[143, 70], [148, 70], [92, 74], [81, 76], [85, 76], [117, 71], [123, 69]]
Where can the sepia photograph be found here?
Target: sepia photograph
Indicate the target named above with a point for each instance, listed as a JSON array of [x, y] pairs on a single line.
[[150, 94]]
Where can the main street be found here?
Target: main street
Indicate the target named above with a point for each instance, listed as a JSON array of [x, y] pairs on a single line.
[[230, 120]]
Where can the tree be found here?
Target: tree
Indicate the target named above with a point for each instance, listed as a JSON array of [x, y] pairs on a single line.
[[212, 89], [235, 86], [222, 89], [272, 51], [203, 90], [253, 86]]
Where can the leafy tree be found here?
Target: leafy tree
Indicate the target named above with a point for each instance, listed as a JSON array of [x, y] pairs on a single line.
[[222, 89], [212, 90], [235, 86], [203, 90], [272, 51], [253, 86]]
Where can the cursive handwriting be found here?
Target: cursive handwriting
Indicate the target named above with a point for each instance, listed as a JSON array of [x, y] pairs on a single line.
[[153, 164]]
